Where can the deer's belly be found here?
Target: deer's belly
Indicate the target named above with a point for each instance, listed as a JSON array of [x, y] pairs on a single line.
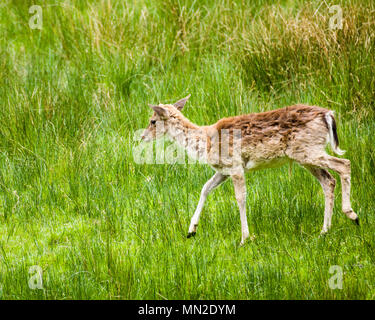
[[264, 164]]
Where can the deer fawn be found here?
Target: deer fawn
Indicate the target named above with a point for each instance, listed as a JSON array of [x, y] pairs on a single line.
[[258, 141]]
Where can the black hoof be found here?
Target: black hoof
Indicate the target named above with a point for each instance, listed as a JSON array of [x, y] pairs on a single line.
[[356, 221], [191, 234]]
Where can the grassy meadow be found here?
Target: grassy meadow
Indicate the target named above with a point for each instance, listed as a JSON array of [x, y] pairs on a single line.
[[100, 226]]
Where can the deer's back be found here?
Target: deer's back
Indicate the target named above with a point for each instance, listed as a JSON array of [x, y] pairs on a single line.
[[292, 117], [270, 136]]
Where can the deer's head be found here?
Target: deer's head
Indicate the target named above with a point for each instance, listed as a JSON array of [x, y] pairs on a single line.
[[163, 113]]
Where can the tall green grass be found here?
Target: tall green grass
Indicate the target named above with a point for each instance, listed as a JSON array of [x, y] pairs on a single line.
[[74, 202]]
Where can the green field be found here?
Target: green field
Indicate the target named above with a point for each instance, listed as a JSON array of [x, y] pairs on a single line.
[[100, 226]]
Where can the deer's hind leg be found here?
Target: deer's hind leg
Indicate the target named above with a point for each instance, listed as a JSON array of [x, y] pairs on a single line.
[[342, 167], [328, 183]]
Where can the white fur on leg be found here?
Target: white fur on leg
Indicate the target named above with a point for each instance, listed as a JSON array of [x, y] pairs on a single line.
[[239, 184], [211, 184]]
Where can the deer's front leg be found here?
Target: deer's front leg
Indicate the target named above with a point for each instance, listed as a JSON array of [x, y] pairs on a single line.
[[211, 184], [239, 184]]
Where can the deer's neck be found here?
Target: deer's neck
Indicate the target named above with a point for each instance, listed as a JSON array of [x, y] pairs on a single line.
[[189, 136]]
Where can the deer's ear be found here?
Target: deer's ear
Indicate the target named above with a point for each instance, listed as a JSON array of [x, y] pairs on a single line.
[[181, 103], [162, 112]]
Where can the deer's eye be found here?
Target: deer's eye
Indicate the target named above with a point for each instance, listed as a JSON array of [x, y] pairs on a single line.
[[153, 121]]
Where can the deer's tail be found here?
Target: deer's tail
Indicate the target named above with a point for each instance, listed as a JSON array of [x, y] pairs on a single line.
[[332, 133]]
